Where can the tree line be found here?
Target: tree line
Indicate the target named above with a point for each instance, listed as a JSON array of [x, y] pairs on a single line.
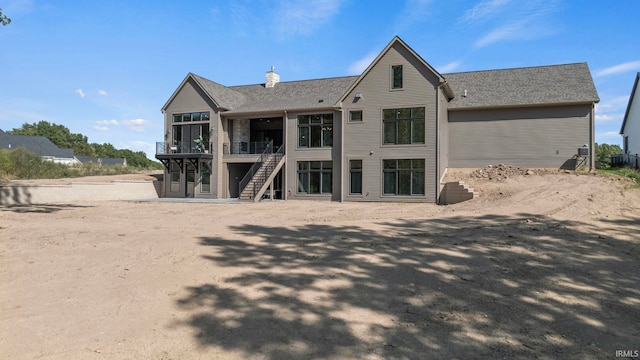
[[64, 138]]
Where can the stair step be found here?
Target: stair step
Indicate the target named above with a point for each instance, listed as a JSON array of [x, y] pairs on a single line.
[[455, 192]]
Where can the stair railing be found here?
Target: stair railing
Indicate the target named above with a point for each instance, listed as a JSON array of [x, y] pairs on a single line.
[[261, 170]]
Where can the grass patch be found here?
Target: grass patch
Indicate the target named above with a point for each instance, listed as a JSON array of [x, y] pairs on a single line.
[[624, 172], [21, 164]]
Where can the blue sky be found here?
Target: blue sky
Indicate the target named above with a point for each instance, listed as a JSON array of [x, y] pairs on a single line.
[[105, 68]]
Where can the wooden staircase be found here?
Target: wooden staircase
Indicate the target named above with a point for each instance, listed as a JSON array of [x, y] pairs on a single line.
[[259, 177]]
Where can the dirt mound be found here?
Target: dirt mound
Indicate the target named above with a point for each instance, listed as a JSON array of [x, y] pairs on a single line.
[[503, 172]]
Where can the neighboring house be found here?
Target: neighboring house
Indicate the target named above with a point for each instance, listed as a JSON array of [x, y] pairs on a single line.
[[389, 134], [39, 145], [102, 161], [630, 130]]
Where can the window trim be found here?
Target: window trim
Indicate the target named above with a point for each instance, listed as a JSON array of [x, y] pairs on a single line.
[[308, 171], [174, 168], [392, 77], [356, 111], [309, 126], [205, 116], [396, 144], [201, 173], [408, 196], [360, 194]]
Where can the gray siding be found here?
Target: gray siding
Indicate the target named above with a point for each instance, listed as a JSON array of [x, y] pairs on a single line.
[[191, 99], [295, 154], [363, 140], [533, 137], [443, 140]]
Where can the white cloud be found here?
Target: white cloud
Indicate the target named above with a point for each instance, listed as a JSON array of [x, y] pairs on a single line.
[[359, 66], [137, 125], [610, 111], [452, 66], [102, 92], [508, 31], [104, 125], [483, 10], [620, 68], [81, 93], [303, 17], [415, 11], [606, 117], [107, 122], [528, 20], [608, 103], [241, 17], [609, 137]]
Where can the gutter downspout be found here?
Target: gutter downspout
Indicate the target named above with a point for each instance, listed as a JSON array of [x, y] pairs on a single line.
[[592, 127], [285, 183], [342, 159], [438, 164]]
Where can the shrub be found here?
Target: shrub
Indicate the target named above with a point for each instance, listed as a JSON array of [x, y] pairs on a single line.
[[22, 164], [625, 172]]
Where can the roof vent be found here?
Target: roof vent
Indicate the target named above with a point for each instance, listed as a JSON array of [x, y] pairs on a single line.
[[272, 78]]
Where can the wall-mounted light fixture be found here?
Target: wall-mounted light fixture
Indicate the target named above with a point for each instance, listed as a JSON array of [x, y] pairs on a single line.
[[358, 95]]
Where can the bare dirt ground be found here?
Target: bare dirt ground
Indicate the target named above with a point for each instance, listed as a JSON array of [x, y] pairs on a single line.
[[540, 266]]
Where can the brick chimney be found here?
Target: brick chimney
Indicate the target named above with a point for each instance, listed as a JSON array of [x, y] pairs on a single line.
[[272, 78]]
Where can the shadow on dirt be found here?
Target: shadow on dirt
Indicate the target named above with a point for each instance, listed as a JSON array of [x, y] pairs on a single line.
[[40, 208], [484, 287]]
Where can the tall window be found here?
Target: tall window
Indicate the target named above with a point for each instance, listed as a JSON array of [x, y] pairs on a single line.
[[355, 176], [174, 185], [396, 77], [403, 177], [315, 177], [191, 138], [205, 178], [315, 130], [626, 145], [403, 126]]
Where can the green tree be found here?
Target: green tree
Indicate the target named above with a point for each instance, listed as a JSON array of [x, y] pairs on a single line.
[[4, 20], [64, 138], [59, 135], [604, 152]]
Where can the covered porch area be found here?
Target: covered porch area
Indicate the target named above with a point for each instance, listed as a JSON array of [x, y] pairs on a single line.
[[250, 136]]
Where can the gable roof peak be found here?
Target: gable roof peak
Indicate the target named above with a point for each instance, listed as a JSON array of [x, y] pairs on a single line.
[[631, 97], [396, 40]]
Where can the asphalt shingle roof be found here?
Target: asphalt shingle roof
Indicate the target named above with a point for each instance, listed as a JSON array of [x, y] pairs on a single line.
[[531, 86], [540, 85], [225, 97], [36, 144], [286, 95]]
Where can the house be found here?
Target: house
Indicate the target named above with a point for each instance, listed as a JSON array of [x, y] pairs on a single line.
[[49, 151], [389, 134], [39, 145], [630, 129]]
